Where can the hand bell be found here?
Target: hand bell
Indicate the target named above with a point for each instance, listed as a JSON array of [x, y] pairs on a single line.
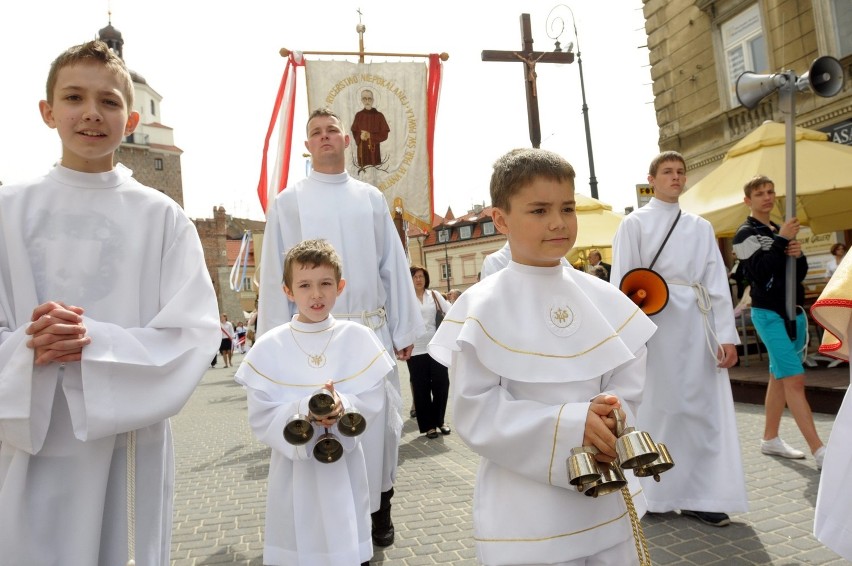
[[321, 403], [663, 463], [582, 468], [328, 448], [298, 430], [612, 479], [351, 423], [635, 448]]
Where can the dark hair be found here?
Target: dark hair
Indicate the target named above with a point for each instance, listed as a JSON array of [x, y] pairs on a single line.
[[662, 158], [836, 247], [98, 52], [415, 268], [314, 253], [520, 167], [756, 182]]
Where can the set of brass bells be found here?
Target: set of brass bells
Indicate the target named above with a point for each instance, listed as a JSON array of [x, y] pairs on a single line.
[[299, 429], [634, 450]]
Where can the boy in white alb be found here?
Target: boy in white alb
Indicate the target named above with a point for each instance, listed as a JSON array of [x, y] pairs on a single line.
[[317, 514], [538, 373], [107, 324]]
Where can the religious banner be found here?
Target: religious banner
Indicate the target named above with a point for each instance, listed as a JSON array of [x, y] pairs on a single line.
[[383, 109]]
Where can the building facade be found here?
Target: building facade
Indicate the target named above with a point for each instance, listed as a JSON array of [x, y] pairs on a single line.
[[454, 249], [698, 48], [221, 238]]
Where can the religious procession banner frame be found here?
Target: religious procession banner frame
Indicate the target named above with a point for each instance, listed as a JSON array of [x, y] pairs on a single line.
[[399, 164]]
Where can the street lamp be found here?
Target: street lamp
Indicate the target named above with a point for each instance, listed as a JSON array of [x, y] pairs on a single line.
[[553, 22]]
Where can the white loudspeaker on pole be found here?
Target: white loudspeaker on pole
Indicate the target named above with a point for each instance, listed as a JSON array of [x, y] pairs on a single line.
[[824, 78]]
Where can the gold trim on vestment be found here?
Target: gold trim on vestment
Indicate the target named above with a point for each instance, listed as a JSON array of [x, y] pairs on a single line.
[[542, 354], [553, 451], [313, 385], [563, 535]]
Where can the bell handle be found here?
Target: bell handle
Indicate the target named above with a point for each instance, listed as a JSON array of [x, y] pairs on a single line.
[[619, 422]]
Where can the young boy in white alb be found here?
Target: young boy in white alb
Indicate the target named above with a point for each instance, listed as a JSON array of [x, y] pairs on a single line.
[[107, 324], [317, 513], [540, 355]]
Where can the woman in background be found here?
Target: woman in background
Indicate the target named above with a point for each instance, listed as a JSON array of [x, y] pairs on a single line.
[[430, 382]]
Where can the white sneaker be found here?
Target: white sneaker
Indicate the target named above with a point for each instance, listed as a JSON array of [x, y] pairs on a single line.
[[777, 447], [819, 456]]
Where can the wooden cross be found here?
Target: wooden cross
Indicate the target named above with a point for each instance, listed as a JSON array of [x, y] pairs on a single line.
[[529, 58]]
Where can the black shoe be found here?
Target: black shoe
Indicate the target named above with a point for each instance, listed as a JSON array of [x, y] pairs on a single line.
[[445, 430], [382, 524], [432, 433], [412, 413], [712, 519]]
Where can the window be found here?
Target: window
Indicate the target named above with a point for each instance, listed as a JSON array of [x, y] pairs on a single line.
[[488, 228], [842, 12], [745, 47], [834, 27], [443, 236], [446, 271], [158, 164], [153, 109], [246, 285], [465, 232]]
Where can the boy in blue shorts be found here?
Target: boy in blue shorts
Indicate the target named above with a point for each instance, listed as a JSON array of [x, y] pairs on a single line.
[[762, 248]]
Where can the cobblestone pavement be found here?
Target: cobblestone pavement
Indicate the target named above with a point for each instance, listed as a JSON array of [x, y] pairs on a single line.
[[220, 495]]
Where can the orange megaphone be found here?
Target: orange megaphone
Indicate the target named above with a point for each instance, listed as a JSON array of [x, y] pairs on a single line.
[[646, 288]]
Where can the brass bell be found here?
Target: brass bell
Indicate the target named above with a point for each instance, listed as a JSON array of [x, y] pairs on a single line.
[[663, 463], [635, 448], [582, 468], [298, 430], [351, 423], [321, 403], [328, 448], [611, 479]]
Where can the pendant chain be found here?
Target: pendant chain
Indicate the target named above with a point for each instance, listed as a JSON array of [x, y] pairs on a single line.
[[314, 360]]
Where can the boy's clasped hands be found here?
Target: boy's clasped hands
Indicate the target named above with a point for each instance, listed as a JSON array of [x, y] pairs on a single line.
[[601, 426], [58, 333]]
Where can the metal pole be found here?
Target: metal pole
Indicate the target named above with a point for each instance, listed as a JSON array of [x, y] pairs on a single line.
[[556, 25], [593, 181], [787, 104]]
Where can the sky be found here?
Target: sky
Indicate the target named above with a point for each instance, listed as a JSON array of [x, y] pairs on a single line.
[[217, 66]]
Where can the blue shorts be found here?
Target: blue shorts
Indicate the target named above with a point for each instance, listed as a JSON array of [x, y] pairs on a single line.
[[785, 355]]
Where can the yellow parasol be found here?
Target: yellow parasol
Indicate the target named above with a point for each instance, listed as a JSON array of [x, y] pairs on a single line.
[[823, 180]]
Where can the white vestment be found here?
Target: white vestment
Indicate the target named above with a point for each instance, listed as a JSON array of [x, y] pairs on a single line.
[[353, 216], [317, 514], [832, 517], [688, 403], [496, 261], [528, 348], [131, 258]]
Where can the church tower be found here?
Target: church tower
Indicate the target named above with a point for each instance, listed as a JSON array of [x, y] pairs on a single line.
[[150, 151]]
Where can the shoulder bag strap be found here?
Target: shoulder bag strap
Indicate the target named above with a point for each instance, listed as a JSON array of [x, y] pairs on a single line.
[[653, 261], [437, 304]]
